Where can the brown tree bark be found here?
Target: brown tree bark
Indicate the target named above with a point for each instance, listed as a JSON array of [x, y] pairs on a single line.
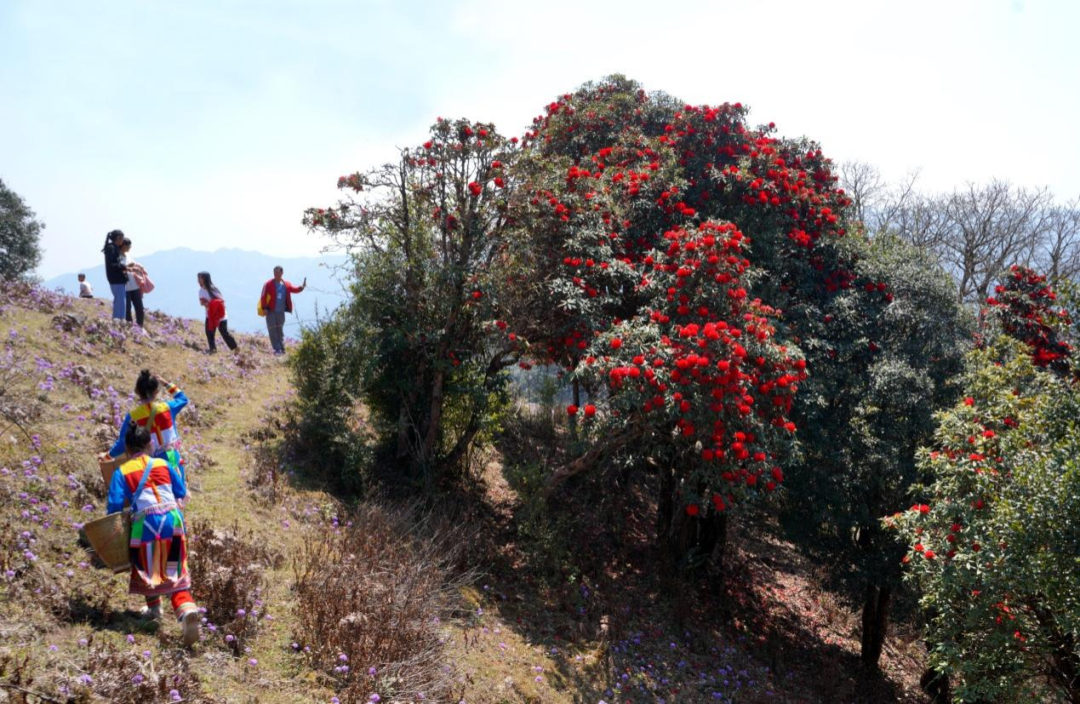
[[875, 621], [434, 420], [689, 542], [586, 461]]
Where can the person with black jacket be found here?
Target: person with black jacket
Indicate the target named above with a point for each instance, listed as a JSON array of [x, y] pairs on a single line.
[[115, 273]]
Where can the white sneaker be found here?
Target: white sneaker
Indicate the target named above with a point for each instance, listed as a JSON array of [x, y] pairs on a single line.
[[191, 627], [151, 613]]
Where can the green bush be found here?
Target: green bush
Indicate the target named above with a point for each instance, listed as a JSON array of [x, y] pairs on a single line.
[[327, 374], [996, 551]]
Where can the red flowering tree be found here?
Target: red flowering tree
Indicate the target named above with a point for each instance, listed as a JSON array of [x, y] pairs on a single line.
[[651, 309], [427, 235], [609, 172]]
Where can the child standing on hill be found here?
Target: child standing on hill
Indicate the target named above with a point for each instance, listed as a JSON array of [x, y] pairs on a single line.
[[158, 542], [216, 318]]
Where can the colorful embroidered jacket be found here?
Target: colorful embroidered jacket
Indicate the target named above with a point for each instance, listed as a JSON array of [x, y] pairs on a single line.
[[157, 417], [158, 544], [163, 488]]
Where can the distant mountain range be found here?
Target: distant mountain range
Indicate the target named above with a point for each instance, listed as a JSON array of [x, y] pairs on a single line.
[[240, 275]]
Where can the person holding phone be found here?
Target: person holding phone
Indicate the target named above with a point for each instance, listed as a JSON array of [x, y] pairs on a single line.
[[276, 301]]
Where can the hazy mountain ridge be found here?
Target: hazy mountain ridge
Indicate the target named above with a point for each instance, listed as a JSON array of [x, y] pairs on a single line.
[[239, 274]]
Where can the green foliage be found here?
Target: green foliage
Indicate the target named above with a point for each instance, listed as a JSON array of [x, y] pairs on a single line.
[[869, 404], [996, 551], [424, 349], [20, 250], [327, 373]]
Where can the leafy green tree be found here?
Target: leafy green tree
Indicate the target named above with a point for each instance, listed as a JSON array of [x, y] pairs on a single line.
[[996, 550], [428, 239], [20, 232], [862, 419]]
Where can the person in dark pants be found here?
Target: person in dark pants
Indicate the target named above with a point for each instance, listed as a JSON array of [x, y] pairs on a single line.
[[114, 272], [133, 293], [216, 319]]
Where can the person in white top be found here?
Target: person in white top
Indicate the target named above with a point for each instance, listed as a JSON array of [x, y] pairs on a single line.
[[85, 290], [134, 293]]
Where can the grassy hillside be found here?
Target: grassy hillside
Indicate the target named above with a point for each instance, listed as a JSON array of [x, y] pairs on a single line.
[[473, 596]]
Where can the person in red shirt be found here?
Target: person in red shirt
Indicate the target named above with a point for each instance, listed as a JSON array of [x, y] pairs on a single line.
[[216, 319], [276, 300]]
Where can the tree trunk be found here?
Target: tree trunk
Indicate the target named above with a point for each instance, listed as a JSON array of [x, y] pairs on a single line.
[[434, 421], [875, 621], [403, 428], [586, 461], [936, 685], [576, 386], [691, 542], [665, 504]]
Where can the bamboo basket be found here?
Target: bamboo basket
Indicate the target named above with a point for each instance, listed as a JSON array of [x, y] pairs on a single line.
[[110, 536], [108, 465]]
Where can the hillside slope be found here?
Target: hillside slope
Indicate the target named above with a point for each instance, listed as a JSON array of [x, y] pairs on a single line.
[[66, 373], [523, 614]]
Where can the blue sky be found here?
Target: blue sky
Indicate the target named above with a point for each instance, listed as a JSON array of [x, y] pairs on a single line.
[[210, 124]]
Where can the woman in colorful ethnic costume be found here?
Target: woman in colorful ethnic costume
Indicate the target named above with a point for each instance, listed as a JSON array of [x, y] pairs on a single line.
[[158, 543], [158, 417]]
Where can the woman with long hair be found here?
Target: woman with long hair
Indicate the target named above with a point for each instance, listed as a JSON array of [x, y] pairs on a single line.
[[133, 292], [216, 319], [115, 273], [158, 542]]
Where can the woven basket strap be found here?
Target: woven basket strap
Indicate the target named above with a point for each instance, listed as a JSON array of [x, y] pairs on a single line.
[[142, 481]]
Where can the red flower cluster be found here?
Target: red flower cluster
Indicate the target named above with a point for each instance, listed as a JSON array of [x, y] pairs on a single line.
[[636, 232], [1023, 304], [352, 181]]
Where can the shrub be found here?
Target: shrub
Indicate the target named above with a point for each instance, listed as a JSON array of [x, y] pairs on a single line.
[[228, 579], [370, 597], [103, 671], [326, 369], [995, 549]]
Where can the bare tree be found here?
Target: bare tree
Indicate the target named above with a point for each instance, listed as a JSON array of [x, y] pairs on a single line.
[[1058, 254], [864, 184], [910, 214], [989, 228], [977, 231]]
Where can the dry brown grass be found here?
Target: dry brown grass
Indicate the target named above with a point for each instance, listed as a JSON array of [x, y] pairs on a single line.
[[371, 598], [102, 672], [228, 574]]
